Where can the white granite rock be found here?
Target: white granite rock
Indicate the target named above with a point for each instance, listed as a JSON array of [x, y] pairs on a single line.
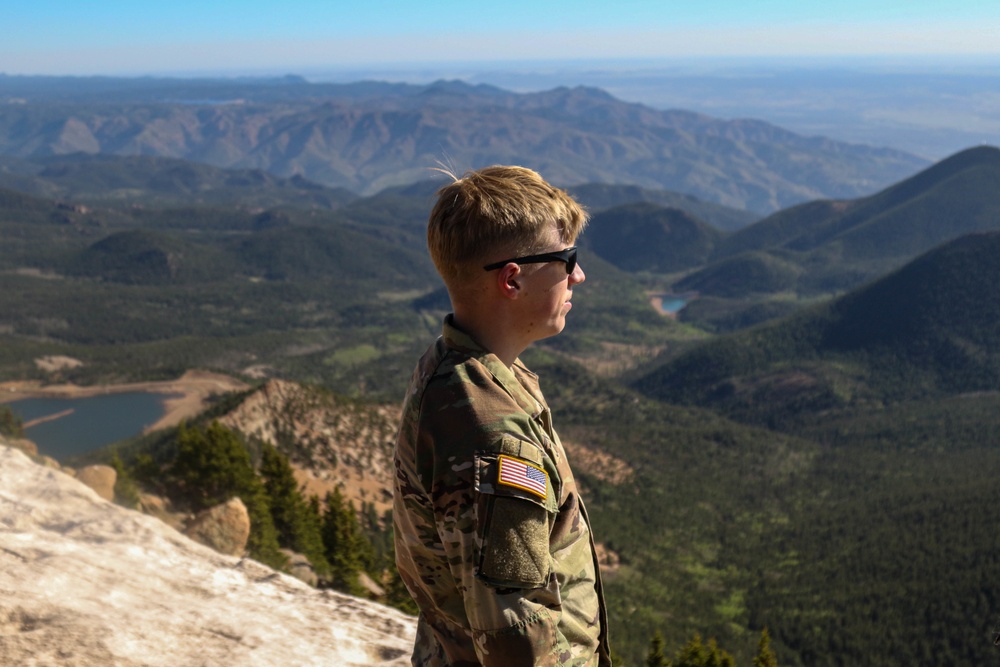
[[85, 583]]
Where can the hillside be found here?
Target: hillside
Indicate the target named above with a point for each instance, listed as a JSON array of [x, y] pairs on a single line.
[[597, 197], [841, 244], [329, 440], [837, 534], [742, 276], [148, 180], [927, 329], [88, 583], [647, 237], [369, 137]]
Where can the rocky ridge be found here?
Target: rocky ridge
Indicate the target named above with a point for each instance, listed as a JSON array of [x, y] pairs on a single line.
[[386, 135], [329, 440], [84, 582]]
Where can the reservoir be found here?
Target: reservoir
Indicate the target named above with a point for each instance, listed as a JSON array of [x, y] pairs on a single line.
[[67, 427], [670, 304]]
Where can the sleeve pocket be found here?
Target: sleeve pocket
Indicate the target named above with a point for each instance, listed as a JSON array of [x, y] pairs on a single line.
[[514, 528]]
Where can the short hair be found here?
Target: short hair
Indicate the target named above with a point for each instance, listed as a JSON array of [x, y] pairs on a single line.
[[498, 208]]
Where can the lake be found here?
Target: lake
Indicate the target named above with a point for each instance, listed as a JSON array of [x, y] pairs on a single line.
[[670, 304], [79, 425]]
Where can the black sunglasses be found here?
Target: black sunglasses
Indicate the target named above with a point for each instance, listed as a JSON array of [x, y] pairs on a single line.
[[568, 256]]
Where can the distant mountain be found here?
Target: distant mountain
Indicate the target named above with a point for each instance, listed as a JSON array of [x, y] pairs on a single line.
[[928, 329], [138, 257], [156, 181], [646, 237], [597, 197], [742, 275], [840, 244], [366, 137]]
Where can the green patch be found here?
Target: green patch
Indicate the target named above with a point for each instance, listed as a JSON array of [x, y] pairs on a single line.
[[352, 356]]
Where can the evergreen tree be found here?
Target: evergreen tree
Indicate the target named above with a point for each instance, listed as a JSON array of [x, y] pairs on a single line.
[[697, 654], [396, 593], [343, 542], [212, 466], [126, 491], [262, 545], [765, 656], [655, 657], [296, 520], [10, 423]]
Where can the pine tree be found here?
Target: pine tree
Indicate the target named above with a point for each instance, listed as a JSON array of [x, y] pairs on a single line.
[[655, 657], [697, 654], [262, 545], [296, 520], [343, 542], [10, 423], [765, 656], [126, 491], [212, 466]]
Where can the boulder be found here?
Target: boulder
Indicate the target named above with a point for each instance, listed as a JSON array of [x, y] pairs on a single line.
[[224, 527], [100, 478]]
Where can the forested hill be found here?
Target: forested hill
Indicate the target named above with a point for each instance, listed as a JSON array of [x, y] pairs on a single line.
[[148, 180], [830, 246], [928, 329], [367, 136], [958, 195]]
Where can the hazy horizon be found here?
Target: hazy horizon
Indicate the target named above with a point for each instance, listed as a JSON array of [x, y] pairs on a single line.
[[919, 75], [108, 37]]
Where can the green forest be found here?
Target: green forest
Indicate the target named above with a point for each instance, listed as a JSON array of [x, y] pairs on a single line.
[[808, 450]]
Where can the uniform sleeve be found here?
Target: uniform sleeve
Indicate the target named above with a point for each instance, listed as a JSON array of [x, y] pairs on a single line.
[[495, 539]]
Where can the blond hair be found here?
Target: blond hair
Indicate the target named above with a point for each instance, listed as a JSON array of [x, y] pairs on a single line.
[[499, 209]]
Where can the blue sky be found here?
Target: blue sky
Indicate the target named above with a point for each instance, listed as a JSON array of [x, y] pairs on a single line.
[[257, 36]]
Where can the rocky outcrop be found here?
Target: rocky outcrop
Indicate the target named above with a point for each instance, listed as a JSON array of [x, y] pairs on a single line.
[[329, 440], [85, 583]]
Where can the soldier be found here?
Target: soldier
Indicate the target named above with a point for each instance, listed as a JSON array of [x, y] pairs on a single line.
[[492, 538]]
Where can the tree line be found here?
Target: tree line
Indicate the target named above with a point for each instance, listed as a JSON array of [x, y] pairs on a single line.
[[210, 464]]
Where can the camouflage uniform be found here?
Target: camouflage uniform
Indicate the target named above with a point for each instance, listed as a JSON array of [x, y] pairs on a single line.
[[492, 538]]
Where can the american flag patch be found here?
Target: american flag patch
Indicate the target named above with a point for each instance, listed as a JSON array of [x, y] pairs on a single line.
[[522, 475]]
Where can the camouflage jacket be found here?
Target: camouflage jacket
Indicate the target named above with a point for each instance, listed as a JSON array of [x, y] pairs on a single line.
[[492, 539]]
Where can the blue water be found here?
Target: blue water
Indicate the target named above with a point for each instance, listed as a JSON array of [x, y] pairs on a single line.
[[95, 421], [673, 304]]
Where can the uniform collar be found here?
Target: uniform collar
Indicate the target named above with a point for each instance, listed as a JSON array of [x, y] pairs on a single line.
[[519, 382]]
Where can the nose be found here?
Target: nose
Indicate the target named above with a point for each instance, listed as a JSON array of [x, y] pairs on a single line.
[[578, 276]]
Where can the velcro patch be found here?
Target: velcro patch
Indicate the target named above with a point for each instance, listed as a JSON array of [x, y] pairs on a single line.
[[523, 475]]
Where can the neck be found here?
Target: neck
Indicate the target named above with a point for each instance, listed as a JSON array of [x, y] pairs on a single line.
[[490, 331]]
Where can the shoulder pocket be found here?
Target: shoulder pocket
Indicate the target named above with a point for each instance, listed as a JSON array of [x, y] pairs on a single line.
[[516, 506]]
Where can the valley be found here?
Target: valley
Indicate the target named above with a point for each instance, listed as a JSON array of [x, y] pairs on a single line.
[[807, 444]]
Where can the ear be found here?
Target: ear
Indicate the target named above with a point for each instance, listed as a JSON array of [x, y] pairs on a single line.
[[508, 281]]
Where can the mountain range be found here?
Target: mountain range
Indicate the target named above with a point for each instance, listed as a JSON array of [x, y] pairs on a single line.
[[819, 464], [366, 137]]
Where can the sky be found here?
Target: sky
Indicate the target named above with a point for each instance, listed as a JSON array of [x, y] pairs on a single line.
[[191, 37]]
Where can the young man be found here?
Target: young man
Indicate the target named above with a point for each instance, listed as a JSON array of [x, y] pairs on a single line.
[[492, 539]]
